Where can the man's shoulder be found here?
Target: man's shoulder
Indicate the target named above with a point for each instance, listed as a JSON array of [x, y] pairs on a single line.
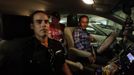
[[52, 41], [54, 44], [61, 24], [15, 43], [77, 29], [30, 43]]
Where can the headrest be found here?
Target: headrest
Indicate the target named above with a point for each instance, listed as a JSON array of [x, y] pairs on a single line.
[[72, 20], [68, 32]]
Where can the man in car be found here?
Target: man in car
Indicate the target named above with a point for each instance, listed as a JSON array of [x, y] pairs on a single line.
[[56, 28], [39, 55], [82, 38], [56, 53]]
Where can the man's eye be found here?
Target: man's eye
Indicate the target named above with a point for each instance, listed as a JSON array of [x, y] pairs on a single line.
[[40, 21], [46, 21]]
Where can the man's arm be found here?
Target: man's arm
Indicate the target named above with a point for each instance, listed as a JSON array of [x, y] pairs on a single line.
[[92, 38], [66, 69]]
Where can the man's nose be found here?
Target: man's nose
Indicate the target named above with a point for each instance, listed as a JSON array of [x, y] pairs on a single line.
[[43, 24]]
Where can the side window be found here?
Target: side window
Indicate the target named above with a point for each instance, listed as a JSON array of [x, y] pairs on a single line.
[[98, 26], [102, 26], [94, 31]]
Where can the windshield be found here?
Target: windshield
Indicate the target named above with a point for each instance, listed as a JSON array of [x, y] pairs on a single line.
[[121, 15]]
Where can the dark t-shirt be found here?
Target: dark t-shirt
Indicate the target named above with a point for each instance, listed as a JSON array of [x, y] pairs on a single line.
[[34, 58]]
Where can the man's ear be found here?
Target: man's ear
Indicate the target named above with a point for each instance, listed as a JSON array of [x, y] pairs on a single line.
[[31, 26]]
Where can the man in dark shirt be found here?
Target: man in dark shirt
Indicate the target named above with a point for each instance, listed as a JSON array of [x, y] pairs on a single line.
[[38, 55]]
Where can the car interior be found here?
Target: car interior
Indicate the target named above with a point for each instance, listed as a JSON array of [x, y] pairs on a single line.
[[107, 19]]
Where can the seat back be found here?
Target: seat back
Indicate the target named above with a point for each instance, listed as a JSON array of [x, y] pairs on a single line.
[[14, 26], [68, 31]]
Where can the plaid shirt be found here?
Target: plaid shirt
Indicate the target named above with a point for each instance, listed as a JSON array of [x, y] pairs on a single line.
[[81, 39]]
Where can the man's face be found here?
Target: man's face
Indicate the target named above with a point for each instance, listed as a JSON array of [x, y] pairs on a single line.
[[40, 24], [84, 22], [55, 20]]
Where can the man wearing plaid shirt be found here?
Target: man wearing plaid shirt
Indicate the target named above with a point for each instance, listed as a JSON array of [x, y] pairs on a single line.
[[82, 40], [81, 37]]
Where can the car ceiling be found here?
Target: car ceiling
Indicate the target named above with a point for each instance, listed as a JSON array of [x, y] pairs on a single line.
[[25, 7], [63, 6]]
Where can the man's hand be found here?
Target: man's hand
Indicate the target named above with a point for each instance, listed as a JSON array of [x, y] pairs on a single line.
[[91, 38], [91, 59], [66, 69]]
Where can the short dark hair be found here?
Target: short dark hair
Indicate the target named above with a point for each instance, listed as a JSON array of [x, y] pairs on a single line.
[[35, 12], [83, 16], [56, 14]]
